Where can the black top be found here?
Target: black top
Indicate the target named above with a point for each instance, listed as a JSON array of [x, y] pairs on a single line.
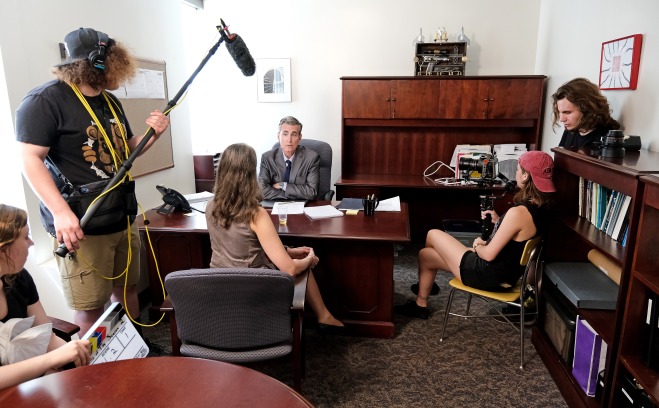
[[21, 294], [574, 139]]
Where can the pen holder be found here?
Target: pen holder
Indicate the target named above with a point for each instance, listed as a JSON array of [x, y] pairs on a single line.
[[370, 204]]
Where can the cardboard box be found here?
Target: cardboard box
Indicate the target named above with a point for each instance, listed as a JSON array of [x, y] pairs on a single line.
[[559, 324]]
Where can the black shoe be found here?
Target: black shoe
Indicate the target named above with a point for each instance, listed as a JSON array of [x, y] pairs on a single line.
[[435, 289], [410, 308], [330, 329], [155, 349]]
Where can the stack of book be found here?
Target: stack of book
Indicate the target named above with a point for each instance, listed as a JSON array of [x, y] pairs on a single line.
[[608, 210]]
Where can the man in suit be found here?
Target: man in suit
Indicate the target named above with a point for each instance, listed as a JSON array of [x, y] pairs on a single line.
[[289, 171]]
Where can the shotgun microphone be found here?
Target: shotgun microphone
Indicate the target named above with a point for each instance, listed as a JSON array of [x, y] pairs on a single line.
[[238, 50]]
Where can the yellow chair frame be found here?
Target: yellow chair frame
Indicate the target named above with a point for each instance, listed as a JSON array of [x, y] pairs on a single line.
[[530, 260]]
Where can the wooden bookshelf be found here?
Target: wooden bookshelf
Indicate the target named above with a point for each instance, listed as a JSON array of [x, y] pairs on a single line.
[[570, 239], [644, 282]]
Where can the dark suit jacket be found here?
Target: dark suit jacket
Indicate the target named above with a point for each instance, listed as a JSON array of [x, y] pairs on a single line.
[[303, 180]]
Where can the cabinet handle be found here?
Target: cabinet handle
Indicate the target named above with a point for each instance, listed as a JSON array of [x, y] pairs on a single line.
[[491, 99], [393, 99], [388, 100], [484, 99]]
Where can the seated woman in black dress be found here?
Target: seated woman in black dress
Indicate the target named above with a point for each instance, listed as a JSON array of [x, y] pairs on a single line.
[[493, 264], [243, 235], [19, 299]]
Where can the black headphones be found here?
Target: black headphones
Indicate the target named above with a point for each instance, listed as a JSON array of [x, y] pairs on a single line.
[[97, 56]]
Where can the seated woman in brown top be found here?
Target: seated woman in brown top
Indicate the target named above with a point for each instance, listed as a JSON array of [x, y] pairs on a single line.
[[243, 235]]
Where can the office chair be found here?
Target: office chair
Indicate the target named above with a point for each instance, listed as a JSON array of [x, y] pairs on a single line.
[[237, 315], [514, 296], [324, 150]]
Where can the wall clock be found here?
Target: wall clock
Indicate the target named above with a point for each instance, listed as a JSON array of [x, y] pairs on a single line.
[[619, 62]]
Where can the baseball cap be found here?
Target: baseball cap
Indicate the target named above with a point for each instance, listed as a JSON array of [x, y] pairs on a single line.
[[541, 166], [80, 43]]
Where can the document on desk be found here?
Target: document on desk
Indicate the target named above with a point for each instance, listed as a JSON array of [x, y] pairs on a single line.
[[198, 197], [322, 211], [292, 207], [390, 204]]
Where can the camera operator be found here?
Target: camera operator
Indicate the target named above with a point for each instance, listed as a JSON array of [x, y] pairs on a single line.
[[494, 263]]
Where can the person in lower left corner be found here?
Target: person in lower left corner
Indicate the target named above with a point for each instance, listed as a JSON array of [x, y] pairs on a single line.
[[19, 299], [490, 265]]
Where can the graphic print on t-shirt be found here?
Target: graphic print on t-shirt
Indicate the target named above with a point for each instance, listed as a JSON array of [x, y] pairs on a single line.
[[96, 151]]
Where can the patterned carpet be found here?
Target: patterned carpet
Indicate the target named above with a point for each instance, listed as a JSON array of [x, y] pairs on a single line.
[[477, 364]]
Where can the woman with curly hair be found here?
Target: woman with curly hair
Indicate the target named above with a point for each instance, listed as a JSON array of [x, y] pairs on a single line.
[[584, 112]]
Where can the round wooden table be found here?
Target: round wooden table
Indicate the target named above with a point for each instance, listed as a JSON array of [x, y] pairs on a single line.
[[154, 382]]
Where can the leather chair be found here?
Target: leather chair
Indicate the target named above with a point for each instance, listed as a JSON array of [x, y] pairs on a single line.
[[237, 315], [531, 261], [324, 150]]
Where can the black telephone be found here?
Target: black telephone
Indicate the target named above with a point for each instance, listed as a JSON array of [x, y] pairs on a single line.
[[173, 201]]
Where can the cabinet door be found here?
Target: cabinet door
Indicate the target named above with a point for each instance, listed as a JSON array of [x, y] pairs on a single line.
[[463, 99], [413, 99], [366, 99], [514, 98]]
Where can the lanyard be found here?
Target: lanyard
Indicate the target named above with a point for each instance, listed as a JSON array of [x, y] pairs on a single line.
[[101, 129]]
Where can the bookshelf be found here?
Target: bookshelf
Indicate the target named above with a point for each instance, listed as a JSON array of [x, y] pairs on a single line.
[[644, 283], [570, 239]]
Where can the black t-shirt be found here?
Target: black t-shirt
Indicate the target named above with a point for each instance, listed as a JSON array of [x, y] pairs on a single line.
[[51, 115], [574, 139], [20, 295]]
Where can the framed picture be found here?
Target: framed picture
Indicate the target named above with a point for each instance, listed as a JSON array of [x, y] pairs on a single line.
[[619, 62], [273, 79]]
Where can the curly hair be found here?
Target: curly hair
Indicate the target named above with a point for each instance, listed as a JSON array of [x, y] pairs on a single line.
[[120, 67], [237, 193], [12, 220], [587, 97]]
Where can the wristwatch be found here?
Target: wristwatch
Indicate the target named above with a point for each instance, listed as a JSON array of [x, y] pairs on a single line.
[[282, 185]]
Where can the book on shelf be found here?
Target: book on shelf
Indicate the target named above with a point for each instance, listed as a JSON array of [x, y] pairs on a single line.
[[651, 333], [589, 356], [606, 209], [621, 220]]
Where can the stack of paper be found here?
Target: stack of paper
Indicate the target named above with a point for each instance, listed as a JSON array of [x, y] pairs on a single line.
[[322, 211]]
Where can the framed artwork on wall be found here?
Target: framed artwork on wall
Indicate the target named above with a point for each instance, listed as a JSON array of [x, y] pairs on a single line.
[[619, 62], [273, 79]]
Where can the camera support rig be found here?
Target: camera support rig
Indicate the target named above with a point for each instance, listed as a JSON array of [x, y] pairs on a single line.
[[487, 200]]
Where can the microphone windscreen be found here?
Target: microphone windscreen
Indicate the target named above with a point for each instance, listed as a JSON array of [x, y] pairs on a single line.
[[239, 52]]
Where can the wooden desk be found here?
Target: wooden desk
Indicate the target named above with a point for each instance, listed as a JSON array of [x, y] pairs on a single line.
[[154, 382], [355, 274], [429, 203]]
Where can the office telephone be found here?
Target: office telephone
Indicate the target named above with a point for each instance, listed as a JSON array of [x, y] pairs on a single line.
[[173, 201]]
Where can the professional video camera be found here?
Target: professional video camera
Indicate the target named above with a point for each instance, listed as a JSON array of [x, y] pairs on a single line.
[[484, 170]]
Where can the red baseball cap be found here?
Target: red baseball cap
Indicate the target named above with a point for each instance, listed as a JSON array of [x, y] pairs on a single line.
[[541, 166]]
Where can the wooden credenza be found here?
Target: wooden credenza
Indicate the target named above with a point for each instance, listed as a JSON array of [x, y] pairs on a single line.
[[393, 128]]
